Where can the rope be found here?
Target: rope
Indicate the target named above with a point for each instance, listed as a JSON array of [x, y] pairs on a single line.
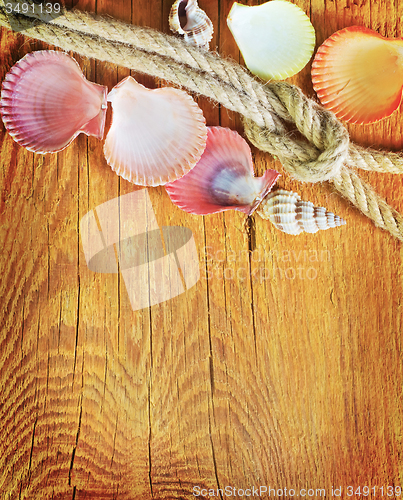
[[324, 153]]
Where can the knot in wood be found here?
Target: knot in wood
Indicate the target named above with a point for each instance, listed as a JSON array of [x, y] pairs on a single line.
[[324, 146]]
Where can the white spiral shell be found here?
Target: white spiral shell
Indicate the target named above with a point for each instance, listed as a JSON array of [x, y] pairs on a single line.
[[187, 19], [288, 213]]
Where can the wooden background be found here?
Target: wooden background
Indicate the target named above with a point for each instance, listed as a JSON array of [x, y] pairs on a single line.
[[283, 365]]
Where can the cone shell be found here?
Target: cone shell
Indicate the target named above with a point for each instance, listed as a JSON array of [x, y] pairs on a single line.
[[289, 214], [358, 74], [223, 179], [187, 19], [156, 135], [46, 102], [276, 39]]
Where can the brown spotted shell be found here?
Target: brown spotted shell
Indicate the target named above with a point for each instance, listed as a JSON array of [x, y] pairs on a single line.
[[288, 213], [187, 19]]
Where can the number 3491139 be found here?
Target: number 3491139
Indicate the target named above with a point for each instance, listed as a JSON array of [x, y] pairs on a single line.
[[381, 491], [38, 8]]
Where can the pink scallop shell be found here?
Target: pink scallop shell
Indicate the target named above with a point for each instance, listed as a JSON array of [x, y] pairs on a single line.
[[156, 136], [223, 179], [46, 102]]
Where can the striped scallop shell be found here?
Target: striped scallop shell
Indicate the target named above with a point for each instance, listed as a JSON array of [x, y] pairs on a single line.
[[288, 213], [156, 135], [187, 19]]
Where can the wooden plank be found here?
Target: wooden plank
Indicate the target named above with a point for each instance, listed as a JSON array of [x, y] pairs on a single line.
[[281, 367]]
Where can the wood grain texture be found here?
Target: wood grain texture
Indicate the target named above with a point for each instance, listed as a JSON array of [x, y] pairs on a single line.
[[282, 367]]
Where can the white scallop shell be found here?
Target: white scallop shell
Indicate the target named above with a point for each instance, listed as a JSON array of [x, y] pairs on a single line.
[[276, 38], [288, 213], [156, 136], [187, 19]]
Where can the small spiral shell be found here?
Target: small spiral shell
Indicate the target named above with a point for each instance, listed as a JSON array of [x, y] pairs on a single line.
[[288, 213], [187, 19]]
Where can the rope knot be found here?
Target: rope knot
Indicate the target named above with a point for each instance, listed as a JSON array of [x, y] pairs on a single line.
[[321, 155]]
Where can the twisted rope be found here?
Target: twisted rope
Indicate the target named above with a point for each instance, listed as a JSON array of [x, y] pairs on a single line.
[[324, 154]]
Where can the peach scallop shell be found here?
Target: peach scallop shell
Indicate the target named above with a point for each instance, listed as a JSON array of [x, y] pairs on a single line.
[[276, 38], [46, 102], [156, 135], [187, 19], [223, 179], [358, 74], [288, 213]]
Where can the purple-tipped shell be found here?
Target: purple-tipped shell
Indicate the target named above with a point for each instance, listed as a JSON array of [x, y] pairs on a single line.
[[46, 102], [223, 179]]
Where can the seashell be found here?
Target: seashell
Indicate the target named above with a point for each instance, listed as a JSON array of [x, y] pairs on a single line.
[[46, 102], [276, 39], [287, 212], [358, 74], [223, 179], [156, 135], [187, 19]]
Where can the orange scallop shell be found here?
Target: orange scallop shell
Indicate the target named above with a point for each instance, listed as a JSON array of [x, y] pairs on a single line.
[[358, 74]]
